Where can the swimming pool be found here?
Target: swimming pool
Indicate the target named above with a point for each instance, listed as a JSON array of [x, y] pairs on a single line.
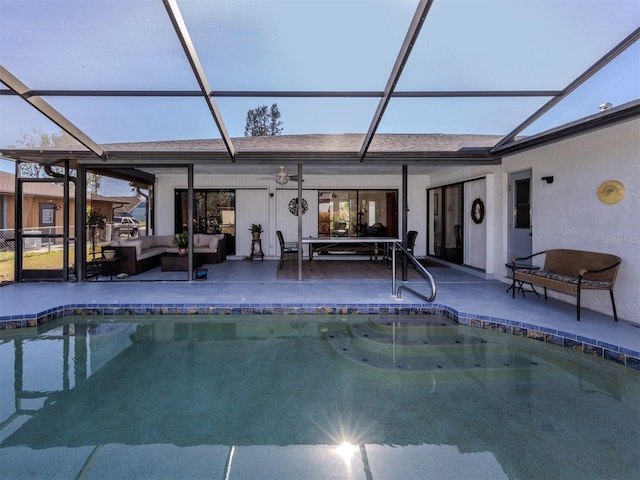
[[364, 397]]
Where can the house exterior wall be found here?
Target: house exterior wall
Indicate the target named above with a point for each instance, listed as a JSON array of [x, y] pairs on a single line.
[[565, 214], [568, 213], [475, 236]]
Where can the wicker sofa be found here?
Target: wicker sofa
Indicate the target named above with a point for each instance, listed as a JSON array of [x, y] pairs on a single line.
[[144, 253], [571, 271]]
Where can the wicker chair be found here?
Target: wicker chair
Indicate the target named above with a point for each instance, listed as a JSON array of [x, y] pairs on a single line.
[[287, 249]]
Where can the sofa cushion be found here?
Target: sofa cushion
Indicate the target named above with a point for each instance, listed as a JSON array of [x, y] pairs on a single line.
[[151, 252], [203, 250], [201, 240], [148, 242], [213, 243], [165, 240]]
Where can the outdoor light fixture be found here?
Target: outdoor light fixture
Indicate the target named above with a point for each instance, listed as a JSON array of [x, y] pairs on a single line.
[[547, 180], [282, 178]]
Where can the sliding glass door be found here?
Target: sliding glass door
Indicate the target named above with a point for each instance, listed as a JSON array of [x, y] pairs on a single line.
[[446, 233], [214, 211]]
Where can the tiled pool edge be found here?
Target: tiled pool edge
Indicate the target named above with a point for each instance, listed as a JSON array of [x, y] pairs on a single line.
[[597, 348]]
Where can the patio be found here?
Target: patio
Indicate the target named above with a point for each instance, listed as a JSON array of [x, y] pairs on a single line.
[[245, 287]]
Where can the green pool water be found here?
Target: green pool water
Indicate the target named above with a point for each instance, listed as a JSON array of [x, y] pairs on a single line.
[[308, 397]]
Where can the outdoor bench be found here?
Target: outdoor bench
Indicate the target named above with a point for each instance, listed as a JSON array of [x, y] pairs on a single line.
[[571, 271]]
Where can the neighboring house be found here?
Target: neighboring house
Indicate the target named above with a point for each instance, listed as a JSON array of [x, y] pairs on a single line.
[[41, 210], [139, 211], [134, 207]]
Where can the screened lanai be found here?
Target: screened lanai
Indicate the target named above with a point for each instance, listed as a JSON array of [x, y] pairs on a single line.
[[363, 87], [157, 71]]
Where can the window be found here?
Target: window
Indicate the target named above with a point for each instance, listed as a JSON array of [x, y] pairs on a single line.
[[523, 207], [214, 211], [357, 213]]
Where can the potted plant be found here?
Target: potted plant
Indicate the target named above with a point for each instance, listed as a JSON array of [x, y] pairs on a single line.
[[182, 240], [96, 221], [256, 230]]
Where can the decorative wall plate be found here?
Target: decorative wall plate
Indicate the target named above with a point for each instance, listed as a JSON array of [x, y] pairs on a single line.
[[611, 192], [294, 209]]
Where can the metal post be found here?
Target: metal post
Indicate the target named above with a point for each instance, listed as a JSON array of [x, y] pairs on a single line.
[[405, 211], [393, 269], [81, 223], [190, 248], [65, 224], [300, 252]]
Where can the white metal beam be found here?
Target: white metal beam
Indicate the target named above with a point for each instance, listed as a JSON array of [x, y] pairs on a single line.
[[595, 68], [48, 111], [190, 51], [410, 39]]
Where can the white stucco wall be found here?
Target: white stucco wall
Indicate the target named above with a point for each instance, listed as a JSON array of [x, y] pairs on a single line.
[[475, 236], [568, 214]]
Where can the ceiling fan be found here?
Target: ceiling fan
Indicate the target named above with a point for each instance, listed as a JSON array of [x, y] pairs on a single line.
[[282, 177]]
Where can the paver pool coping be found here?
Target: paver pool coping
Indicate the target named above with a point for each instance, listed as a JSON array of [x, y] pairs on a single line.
[[592, 346]]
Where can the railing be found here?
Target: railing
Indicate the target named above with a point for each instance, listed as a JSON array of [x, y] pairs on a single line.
[[421, 268], [35, 238]]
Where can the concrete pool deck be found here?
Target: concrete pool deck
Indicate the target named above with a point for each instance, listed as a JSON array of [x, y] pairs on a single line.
[[246, 287]]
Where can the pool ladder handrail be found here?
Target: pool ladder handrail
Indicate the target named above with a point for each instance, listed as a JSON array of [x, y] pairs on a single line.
[[421, 268]]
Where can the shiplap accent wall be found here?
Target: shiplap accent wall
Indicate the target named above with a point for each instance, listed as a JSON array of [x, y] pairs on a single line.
[[252, 206], [287, 223], [255, 205]]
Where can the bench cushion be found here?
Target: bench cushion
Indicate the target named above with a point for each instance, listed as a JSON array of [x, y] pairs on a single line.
[[566, 278]]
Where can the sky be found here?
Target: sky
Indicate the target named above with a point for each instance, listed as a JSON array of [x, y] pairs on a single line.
[[311, 45]]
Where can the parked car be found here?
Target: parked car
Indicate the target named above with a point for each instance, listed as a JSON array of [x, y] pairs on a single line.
[[125, 226]]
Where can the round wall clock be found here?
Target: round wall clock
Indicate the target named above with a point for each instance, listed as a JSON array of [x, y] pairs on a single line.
[[611, 192]]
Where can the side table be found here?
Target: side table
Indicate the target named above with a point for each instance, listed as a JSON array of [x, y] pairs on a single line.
[[520, 287], [256, 249], [106, 265]]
